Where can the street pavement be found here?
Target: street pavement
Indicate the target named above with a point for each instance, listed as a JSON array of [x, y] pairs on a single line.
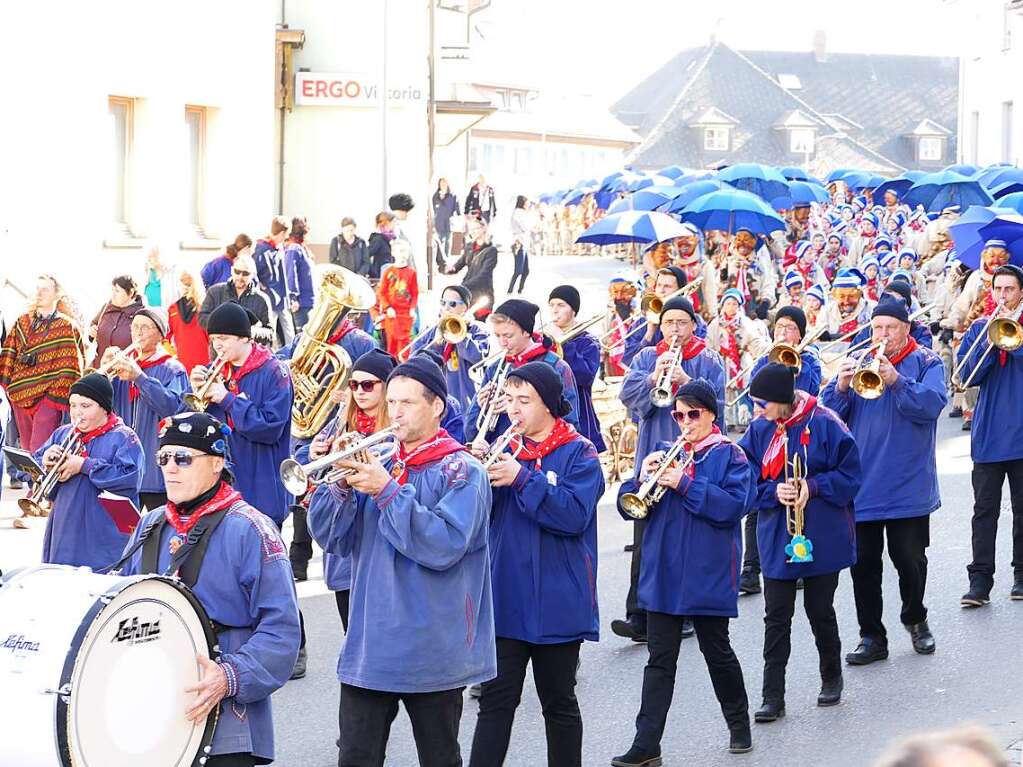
[[974, 677]]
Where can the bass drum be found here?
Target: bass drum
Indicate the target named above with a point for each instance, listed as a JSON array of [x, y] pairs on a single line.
[[93, 670]]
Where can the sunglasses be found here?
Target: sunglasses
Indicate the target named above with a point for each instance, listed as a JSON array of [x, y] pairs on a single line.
[[241, 272], [681, 416], [366, 386], [452, 304], [181, 459]]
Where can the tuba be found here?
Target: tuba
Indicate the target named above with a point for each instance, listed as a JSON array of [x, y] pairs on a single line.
[[319, 368]]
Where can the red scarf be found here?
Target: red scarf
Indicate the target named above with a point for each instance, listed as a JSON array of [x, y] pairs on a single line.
[[161, 356], [730, 346], [341, 331], [849, 325], [440, 446], [111, 423], [715, 437], [906, 350], [694, 346], [365, 423], [450, 356], [224, 497], [528, 450], [256, 358], [774, 458], [872, 289], [534, 350]]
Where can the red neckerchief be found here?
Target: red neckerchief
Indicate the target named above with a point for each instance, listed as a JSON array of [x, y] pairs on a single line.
[[341, 331], [224, 497], [534, 350], [111, 422], [694, 346], [450, 356], [715, 437], [255, 360], [850, 324], [152, 362], [774, 457], [528, 450], [906, 350], [440, 446], [365, 423], [872, 289], [730, 346]]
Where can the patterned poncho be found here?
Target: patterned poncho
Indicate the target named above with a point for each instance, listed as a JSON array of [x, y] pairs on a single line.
[[40, 360]]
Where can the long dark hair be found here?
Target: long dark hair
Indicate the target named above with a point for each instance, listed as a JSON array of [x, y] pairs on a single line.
[[521, 201]]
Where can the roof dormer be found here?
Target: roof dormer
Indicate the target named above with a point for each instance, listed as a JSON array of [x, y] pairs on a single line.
[[716, 128]]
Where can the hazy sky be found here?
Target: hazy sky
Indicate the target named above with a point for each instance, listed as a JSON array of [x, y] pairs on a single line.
[[603, 47]]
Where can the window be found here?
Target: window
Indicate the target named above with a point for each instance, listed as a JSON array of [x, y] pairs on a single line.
[[195, 125], [1007, 26], [519, 101], [499, 158], [801, 140], [122, 117], [488, 158], [503, 99], [1007, 131], [715, 139], [474, 158], [929, 149]]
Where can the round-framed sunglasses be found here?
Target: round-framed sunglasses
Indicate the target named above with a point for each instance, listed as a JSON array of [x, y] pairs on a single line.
[[366, 386]]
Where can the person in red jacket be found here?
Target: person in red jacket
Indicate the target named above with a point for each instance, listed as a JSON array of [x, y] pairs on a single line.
[[397, 298], [189, 337]]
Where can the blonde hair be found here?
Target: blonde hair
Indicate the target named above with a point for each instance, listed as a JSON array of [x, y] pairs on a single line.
[[246, 261], [194, 290], [383, 421], [928, 748], [62, 303]]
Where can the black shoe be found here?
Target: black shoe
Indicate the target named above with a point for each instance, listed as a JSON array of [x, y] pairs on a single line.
[[300, 663], [868, 651], [967, 424], [1017, 589], [629, 629], [923, 640], [956, 412], [688, 629], [978, 595], [475, 690], [769, 711], [749, 582], [636, 757], [301, 574], [740, 741], [629, 548], [831, 693], [16, 484]]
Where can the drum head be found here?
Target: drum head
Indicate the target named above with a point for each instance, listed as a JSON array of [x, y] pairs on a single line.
[[128, 669]]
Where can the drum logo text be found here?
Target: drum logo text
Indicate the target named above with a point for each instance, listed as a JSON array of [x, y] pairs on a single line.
[[131, 630], [16, 643]]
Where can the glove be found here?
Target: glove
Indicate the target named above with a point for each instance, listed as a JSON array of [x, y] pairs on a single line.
[[935, 327], [946, 336]]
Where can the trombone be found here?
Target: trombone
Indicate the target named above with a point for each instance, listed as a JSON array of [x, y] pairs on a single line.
[[297, 477], [637, 505], [867, 381], [495, 450], [130, 352], [38, 504], [576, 330], [454, 328], [199, 400], [1004, 333], [661, 395]]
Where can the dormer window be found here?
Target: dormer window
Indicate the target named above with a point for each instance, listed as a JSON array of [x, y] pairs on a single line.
[[716, 127], [801, 140], [930, 149], [930, 139], [715, 138]]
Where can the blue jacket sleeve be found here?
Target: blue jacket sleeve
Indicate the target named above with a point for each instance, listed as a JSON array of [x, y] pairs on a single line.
[[922, 401], [752, 444], [207, 273], [570, 392], [453, 422], [476, 345], [121, 472], [721, 500], [583, 356], [840, 402], [840, 483], [264, 421], [291, 282], [332, 516], [287, 351], [975, 364], [636, 387], [436, 537], [470, 416], [635, 342], [809, 379], [566, 508], [164, 400]]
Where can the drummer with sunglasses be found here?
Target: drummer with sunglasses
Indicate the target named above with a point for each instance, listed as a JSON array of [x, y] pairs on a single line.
[[693, 546], [457, 358], [242, 579]]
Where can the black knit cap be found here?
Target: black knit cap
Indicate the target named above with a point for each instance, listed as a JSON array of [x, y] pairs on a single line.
[[426, 371], [199, 431], [548, 385], [96, 387], [698, 392], [400, 201], [156, 316], [774, 382], [891, 307], [901, 287], [463, 292], [795, 314], [568, 294], [677, 272], [230, 319], [679, 303], [521, 312], [377, 363]]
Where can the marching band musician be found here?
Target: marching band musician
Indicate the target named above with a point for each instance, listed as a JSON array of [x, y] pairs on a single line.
[[849, 309], [453, 420], [345, 334], [455, 301], [996, 447], [899, 290], [246, 589], [668, 280], [795, 427], [416, 533], [739, 340], [513, 323], [622, 292], [79, 532], [693, 544], [656, 424], [582, 354], [896, 433], [148, 388], [543, 558]]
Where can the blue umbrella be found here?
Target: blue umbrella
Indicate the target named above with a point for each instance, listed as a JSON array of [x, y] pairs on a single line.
[[1012, 201], [690, 192], [980, 224], [900, 184], [729, 210], [839, 173], [651, 198], [862, 180], [944, 189], [580, 190], [963, 168], [607, 181], [672, 171], [997, 176], [764, 181], [643, 182], [1002, 189], [800, 192], [985, 175], [792, 173], [691, 177], [633, 226]]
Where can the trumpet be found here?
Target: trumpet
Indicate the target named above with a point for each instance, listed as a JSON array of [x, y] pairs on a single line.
[[297, 477], [483, 364], [637, 505], [500, 444], [38, 504], [780, 353], [130, 352], [650, 307], [867, 381], [199, 400], [661, 395], [1004, 333], [488, 416]]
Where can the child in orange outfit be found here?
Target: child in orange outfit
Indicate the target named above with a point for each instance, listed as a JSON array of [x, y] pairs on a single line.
[[397, 298]]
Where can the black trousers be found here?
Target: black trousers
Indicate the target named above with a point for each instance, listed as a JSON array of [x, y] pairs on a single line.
[[633, 611], [152, 501], [343, 599], [366, 717], [780, 605], [554, 674], [664, 637], [300, 551], [908, 540], [987, 506], [521, 269], [231, 760], [751, 554]]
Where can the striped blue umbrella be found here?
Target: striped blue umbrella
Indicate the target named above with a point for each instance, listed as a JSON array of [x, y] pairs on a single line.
[[945, 189], [729, 210], [633, 226], [765, 181]]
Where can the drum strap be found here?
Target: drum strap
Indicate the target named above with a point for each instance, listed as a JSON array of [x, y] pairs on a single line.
[[187, 560]]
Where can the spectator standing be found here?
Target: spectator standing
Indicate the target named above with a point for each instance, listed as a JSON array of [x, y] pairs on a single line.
[[397, 298], [242, 289], [190, 340], [522, 237], [269, 257], [380, 244], [112, 326], [479, 259], [161, 280], [219, 268], [481, 202], [401, 205], [298, 273], [445, 206], [349, 251]]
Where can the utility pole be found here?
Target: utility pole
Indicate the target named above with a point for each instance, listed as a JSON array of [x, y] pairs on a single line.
[[431, 111], [382, 105]]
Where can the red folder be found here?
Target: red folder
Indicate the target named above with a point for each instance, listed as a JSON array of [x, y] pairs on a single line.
[[121, 510]]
